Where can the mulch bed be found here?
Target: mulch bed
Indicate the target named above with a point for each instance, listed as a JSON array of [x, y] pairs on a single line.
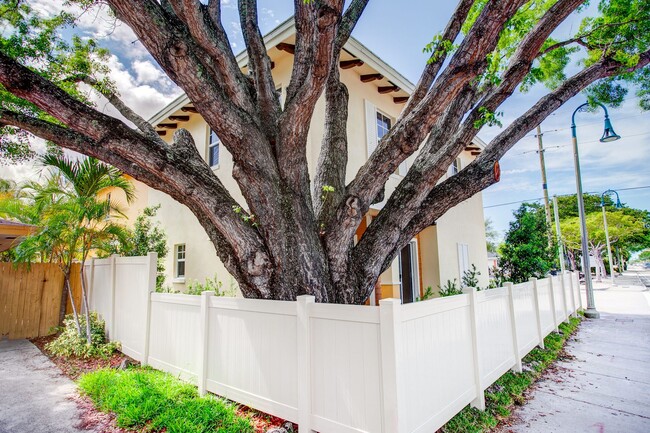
[[94, 419]]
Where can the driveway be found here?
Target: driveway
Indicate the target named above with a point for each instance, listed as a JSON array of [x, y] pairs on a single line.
[[34, 395], [605, 386]]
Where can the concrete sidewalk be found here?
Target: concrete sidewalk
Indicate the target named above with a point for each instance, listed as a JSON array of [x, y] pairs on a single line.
[[33, 392], [605, 387]]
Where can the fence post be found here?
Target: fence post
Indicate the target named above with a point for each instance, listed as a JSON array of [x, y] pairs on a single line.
[[304, 362], [576, 277], [112, 335], [390, 334], [513, 326], [572, 292], [152, 272], [538, 313], [552, 292], [204, 340], [479, 401]]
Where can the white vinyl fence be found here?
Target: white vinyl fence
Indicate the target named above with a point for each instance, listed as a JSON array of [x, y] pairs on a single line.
[[333, 368]]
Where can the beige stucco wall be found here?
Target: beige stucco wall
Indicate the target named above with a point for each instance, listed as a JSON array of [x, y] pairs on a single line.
[[130, 210], [465, 222]]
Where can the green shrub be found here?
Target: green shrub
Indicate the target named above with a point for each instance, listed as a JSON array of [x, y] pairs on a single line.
[[470, 277], [211, 284], [428, 294], [449, 289], [71, 343], [144, 398]]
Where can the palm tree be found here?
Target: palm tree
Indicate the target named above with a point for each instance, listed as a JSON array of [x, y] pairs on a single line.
[[73, 217]]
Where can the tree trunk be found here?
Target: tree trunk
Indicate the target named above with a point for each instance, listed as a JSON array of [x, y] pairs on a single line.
[[74, 307], [84, 295]]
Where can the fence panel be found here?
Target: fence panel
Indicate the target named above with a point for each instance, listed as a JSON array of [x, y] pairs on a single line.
[[100, 275], [545, 305], [174, 344], [131, 298], [438, 361], [252, 354], [560, 312], [494, 334], [345, 367], [30, 298], [525, 317]]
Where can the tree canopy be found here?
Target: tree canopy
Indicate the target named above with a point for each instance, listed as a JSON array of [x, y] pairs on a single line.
[[628, 228], [525, 252], [289, 241]]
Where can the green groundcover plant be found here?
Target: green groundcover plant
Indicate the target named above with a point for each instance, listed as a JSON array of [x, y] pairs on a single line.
[[150, 400], [73, 342]]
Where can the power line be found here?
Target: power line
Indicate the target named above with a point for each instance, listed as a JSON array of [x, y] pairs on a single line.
[[561, 195], [581, 143]]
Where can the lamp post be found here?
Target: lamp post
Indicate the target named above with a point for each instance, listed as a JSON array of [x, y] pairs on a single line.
[[608, 135], [609, 248]]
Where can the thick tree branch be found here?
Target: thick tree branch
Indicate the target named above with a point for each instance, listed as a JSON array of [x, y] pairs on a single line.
[[259, 65], [406, 135], [316, 28], [479, 174], [444, 143], [204, 24], [348, 23], [439, 55], [180, 169], [130, 115], [329, 181]]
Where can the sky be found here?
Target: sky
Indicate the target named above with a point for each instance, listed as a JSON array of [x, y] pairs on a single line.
[[397, 34]]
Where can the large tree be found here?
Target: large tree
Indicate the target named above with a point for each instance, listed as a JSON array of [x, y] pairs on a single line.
[[525, 252], [298, 243]]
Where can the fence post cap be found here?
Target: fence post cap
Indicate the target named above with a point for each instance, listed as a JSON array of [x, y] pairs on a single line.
[[469, 289], [208, 293], [306, 299], [152, 253], [390, 301], [532, 279]]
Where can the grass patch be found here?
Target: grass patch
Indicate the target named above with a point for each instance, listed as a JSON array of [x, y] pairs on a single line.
[[508, 390], [150, 400]]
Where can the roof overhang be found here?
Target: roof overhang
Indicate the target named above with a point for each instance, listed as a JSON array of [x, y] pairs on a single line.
[[12, 233]]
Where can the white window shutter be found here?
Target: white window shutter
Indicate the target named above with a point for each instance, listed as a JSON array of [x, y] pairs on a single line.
[[371, 127], [463, 259]]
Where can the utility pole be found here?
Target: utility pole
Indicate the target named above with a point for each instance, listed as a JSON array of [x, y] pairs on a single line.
[[558, 233], [547, 206]]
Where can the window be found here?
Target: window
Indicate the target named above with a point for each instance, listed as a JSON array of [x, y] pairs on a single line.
[[213, 149], [377, 126], [179, 255], [455, 167], [383, 125]]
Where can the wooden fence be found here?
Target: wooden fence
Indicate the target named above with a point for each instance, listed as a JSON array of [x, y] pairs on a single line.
[[30, 298]]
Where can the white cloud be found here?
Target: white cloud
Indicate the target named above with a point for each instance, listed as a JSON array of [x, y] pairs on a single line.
[[143, 98], [147, 72]]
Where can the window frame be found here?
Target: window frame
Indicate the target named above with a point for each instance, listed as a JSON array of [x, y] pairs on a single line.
[[455, 167], [177, 249], [209, 146]]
